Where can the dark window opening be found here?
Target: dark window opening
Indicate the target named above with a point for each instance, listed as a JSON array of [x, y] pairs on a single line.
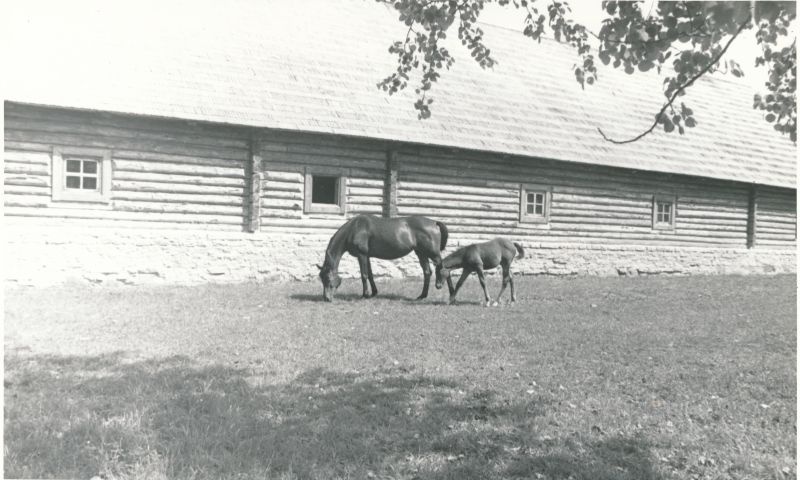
[[535, 204], [664, 212], [81, 174], [324, 190]]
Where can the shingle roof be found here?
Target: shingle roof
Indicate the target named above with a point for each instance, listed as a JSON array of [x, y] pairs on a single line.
[[313, 66]]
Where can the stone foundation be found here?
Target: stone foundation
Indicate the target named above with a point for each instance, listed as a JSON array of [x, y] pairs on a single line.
[[37, 255]]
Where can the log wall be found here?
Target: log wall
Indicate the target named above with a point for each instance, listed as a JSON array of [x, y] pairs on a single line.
[[182, 190], [776, 217], [285, 159], [478, 196], [165, 174]]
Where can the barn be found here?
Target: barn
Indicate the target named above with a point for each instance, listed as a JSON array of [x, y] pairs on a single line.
[[201, 142]]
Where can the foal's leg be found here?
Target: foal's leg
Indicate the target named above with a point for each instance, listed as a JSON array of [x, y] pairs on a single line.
[[426, 272], [464, 274], [371, 279], [483, 286], [511, 281], [363, 264]]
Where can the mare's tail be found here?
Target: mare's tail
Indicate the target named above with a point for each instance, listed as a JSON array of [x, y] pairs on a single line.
[[519, 249], [443, 231]]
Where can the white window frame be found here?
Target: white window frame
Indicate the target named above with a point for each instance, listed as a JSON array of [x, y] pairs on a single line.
[[341, 191], [528, 188], [60, 191], [671, 199]]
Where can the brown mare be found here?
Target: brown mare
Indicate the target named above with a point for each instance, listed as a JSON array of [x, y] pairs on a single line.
[[367, 236], [477, 258]]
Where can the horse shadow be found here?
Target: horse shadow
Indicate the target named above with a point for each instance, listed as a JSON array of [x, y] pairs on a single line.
[[173, 418]]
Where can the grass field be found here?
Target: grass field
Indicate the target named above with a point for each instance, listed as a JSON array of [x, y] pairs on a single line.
[[583, 378]]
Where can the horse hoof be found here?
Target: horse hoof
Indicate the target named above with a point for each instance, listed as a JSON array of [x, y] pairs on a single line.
[[495, 304]]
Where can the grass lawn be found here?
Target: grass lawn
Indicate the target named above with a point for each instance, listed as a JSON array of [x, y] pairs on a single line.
[[583, 378]]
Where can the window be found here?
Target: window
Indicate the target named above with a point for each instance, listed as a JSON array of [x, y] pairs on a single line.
[[81, 175], [534, 205], [324, 192], [664, 210]]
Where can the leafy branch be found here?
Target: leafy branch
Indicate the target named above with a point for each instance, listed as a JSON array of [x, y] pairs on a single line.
[[661, 118]]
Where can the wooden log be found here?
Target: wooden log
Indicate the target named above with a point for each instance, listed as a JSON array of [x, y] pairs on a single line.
[[253, 172], [412, 196], [405, 185], [390, 184], [275, 186], [16, 168], [752, 221], [115, 223], [123, 215], [364, 192], [358, 209], [137, 186], [214, 132], [288, 177], [25, 200], [209, 181], [126, 146], [365, 182], [25, 157], [176, 168], [364, 200], [27, 190], [183, 208], [280, 213], [284, 195], [206, 198], [169, 133], [32, 180], [268, 202]]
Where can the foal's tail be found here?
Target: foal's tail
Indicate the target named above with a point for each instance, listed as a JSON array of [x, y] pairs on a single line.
[[443, 232], [519, 249]]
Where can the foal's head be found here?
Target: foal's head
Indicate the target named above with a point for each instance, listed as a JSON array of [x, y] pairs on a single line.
[[442, 274], [330, 282]]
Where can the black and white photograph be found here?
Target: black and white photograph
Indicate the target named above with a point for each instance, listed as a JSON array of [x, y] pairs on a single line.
[[399, 240]]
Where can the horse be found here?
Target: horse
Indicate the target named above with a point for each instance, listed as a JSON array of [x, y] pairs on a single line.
[[477, 258], [367, 236]]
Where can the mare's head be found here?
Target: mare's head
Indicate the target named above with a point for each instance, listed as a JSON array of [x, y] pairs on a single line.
[[330, 282]]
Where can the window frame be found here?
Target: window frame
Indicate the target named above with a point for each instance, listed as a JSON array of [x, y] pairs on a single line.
[[664, 226], [524, 190], [60, 192], [341, 194]]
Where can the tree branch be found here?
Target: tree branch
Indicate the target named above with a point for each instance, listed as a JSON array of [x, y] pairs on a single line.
[[680, 89]]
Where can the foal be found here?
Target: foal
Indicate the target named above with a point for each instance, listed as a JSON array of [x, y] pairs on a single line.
[[477, 258]]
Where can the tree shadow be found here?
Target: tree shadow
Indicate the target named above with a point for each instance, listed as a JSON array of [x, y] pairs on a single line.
[[171, 418], [349, 297]]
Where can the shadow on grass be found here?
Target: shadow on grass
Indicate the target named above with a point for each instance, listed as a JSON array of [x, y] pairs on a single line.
[[83, 416]]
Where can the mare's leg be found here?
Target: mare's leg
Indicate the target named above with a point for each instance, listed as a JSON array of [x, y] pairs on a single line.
[[426, 272], [506, 278], [464, 274], [363, 264], [371, 279], [483, 286]]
